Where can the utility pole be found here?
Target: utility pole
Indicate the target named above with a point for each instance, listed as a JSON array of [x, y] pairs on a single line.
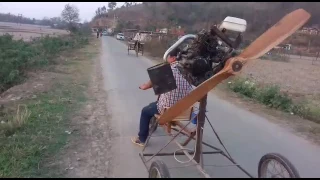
[[114, 20], [19, 18]]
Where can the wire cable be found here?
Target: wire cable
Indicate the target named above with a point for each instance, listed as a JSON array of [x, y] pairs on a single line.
[[188, 149]]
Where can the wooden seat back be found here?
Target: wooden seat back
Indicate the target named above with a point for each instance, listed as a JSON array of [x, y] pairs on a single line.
[[185, 116]]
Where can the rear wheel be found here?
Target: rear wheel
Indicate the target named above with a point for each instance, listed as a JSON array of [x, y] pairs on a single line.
[[274, 165], [158, 170]]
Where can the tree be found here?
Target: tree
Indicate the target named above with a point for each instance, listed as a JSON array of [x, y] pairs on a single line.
[[127, 4], [112, 5], [70, 15], [145, 4], [103, 10]]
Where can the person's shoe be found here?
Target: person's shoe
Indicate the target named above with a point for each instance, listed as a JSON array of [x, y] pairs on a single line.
[[136, 140]]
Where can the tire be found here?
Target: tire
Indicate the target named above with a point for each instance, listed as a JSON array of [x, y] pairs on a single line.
[[153, 125], [158, 170], [289, 167]]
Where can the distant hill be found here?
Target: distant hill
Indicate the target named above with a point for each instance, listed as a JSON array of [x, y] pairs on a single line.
[[193, 16]]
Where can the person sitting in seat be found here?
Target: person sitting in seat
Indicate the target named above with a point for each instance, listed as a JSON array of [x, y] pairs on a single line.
[[165, 100]]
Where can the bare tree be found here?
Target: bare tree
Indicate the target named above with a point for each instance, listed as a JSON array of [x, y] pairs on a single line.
[[98, 12], [104, 9], [112, 5], [70, 15]]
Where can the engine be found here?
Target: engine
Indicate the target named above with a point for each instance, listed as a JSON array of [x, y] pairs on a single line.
[[201, 59]]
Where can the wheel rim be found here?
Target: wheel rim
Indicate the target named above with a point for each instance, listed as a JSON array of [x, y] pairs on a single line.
[[155, 173], [274, 169]]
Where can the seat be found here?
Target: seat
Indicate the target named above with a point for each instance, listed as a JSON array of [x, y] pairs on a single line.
[[185, 116]]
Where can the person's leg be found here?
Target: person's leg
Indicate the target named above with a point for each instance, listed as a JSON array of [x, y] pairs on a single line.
[[146, 114], [135, 44]]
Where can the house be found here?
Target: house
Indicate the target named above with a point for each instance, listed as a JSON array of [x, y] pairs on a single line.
[[309, 30], [164, 30], [144, 36], [314, 31], [177, 31], [129, 33]]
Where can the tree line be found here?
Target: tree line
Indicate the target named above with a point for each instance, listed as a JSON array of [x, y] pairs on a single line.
[[69, 19], [194, 16]]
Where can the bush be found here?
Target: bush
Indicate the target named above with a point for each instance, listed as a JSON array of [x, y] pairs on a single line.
[[276, 57], [243, 87], [18, 56], [272, 97]]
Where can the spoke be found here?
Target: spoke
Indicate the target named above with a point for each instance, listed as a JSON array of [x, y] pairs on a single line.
[[274, 172]]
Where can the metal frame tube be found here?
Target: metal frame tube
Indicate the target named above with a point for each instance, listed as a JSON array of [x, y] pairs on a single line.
[[176, 44]]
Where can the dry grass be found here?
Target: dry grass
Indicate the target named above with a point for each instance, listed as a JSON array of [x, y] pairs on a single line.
[[17, 121], [27, 31]]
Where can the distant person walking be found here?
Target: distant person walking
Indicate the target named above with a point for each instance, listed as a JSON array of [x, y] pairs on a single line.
[[97, 34]]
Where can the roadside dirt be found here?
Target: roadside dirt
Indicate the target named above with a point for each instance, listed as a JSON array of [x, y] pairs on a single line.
[[87, 151], [36, 83]]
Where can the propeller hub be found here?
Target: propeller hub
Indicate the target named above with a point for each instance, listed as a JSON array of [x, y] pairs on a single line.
[[237, 66]]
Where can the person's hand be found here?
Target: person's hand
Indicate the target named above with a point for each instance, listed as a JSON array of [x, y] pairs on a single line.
[[144, 87]]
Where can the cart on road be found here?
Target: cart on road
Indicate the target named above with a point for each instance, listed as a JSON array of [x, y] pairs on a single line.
[[138, 48]]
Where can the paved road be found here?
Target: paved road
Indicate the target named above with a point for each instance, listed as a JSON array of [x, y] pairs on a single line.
[[246, 135]]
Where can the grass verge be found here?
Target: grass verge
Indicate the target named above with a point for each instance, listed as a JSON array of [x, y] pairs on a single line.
[[18, 57], [272, 97], [38, 129], [276, 57]]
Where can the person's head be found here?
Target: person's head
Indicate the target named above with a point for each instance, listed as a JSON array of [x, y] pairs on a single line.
[[173, 55]]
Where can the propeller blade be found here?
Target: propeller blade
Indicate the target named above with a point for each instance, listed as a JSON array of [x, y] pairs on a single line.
[[276, 34]]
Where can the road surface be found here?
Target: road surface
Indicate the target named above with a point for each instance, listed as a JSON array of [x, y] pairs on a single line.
[[247, 136]]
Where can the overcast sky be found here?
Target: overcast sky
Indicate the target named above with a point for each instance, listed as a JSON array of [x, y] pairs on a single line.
[[40, 10]]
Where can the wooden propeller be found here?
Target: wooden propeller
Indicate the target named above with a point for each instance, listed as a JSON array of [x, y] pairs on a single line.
[[271, 38]]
